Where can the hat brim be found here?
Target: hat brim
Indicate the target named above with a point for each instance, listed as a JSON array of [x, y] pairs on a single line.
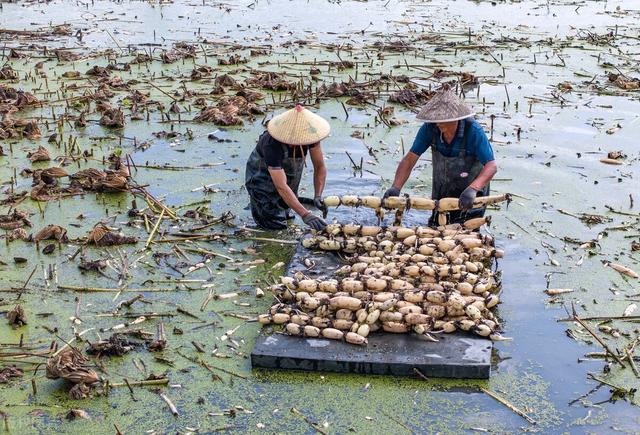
[[295, 127], [426, 119], [288, 141]]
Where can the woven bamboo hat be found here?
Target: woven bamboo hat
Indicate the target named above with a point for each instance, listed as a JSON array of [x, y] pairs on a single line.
[[444, 106], [298, 126]]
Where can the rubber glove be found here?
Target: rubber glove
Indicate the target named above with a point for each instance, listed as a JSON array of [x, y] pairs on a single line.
[[319, 203], [392, 191], [465, 202], [314, 221]]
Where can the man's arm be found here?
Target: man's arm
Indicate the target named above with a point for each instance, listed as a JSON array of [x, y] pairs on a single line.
[[404, 169], [486, 174], [279, 179], [319, 170]]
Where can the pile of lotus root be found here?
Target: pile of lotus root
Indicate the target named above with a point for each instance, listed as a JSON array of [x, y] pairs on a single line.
[[398, 280]]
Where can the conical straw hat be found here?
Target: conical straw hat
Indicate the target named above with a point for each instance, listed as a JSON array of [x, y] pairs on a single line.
[[298, 126], [444, 106]]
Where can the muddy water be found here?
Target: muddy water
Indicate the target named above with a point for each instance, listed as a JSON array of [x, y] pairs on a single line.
[[553, 165]]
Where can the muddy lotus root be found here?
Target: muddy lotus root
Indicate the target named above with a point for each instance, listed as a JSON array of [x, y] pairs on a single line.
[[398, 280]]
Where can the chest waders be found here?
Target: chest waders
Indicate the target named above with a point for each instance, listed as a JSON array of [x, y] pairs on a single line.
[[268, 209], [451, 175]]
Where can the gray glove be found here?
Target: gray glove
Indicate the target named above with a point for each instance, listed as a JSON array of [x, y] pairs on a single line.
[[466, 198], [392, 191], [320, 205], [314, 222]]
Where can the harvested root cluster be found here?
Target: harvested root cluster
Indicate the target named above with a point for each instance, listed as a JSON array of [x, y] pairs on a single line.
[[398, 280], [434, 245]]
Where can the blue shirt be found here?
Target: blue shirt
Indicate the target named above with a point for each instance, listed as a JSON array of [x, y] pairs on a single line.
[[475, 141]]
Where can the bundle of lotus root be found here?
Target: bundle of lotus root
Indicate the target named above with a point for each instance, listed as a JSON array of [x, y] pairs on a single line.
[[402, 203], [398, 280], [443, 245]]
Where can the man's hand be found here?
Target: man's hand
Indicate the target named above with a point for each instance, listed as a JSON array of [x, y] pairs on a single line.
[[466, 199], [320, 205], [314, 222], [392, 191]]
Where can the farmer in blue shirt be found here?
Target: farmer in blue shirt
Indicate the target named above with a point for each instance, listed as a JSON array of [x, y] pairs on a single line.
[[462, 157]]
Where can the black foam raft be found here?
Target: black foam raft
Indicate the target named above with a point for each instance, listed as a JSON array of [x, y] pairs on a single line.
[[457, 355]]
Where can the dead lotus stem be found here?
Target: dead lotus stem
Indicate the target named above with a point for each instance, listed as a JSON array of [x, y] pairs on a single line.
[[145, 383], [500, 399], [155, 228], [207, 252], [68, 343], [599, 340], [170, 404], [116, 290]]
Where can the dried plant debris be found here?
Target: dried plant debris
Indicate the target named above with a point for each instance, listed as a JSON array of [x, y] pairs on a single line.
[[101, 235], [117, 166], [225, 80], [95, 265], [16, 234], [624, 82], [228, 111], [411, 97], [201, 72], [74, 414], [48, 176], [17, 316], [180, 51], [7, 373], [71, 366], [8, 73], [616, 155], [99, 71], [46, 192], [160, 341], [141, 58], [112, 117], [51, 232], [116, 345], [13, 100], [15, 219], [41, 154], [234, 59], [272, 81], [19, 128]]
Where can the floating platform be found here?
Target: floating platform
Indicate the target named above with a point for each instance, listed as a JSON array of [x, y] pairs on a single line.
[[454, 356], [457, 355]]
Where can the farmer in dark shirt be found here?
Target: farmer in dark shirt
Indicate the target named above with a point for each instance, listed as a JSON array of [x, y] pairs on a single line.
[[275, 167], [462, 157]]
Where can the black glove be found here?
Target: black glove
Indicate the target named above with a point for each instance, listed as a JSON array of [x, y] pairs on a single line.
[[466, 198], [392, 191], [319, 203], [314, 222]]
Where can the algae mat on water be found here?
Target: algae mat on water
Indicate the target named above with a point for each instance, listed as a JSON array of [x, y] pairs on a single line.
[[554, 85]]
